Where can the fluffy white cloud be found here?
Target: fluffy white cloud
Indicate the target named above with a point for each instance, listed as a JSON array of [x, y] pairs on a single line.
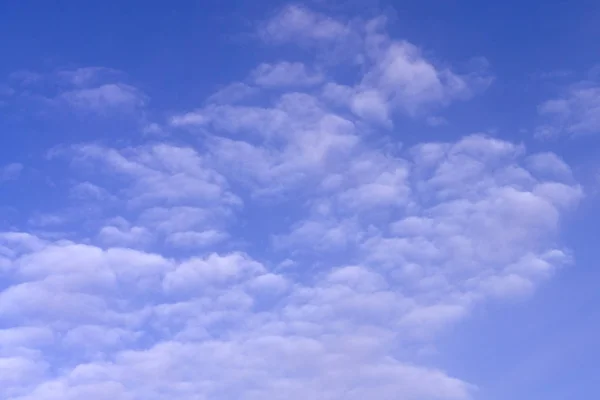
[[401, 79], [391, 248], [296, 23], [395, 76], [124, 235], [162, 173]]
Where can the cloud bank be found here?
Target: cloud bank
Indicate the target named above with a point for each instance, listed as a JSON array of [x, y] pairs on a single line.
[[269, 246]]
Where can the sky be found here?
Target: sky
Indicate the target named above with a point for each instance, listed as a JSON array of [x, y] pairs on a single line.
[[218, 200]]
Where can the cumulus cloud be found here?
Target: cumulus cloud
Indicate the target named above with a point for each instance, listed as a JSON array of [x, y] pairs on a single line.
[[297, 23], [401, 79], [130, 236], [391, 77], [395, 75], [174, 287]]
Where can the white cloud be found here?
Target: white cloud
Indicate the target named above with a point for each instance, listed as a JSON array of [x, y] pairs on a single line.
[[130, 236], [232, 93], [188, 119], [97, 90], [371, 105], [98, 338], [296, 23], [399, 78], [576, 111], [16, 338], [436, 121], [549, 164], [15, 371], [160, 173], [448, 246], [297, 138], [284, 74], [395, 75], [26, 78], [179, 218], [109, 97], [88, 190], [195, 273], [10, 171], [87, 76], [160, 195]]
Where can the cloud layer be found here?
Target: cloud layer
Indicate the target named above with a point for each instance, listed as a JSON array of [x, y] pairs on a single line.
[[280, 243]]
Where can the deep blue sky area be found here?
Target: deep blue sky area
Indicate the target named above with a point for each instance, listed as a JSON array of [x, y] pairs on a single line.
[[212, 42]]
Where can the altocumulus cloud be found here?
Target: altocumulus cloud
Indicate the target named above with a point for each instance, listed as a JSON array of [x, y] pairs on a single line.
[[286, 254]]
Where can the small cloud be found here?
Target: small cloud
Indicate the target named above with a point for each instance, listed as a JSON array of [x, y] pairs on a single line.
[[285, 74], [86, 76], [189, 119], [232, 93], [546, 132], [124, 236], [152, 128], [287, 263], [296, 23], [10, 172], [26, 78], [371, 105], [88, 191], [575, 111], [46, 220], [111, 96], [91, 89], [435, 121], [552, 75]]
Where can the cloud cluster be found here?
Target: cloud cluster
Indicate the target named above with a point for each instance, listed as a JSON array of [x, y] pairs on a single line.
[[286, 254], [395, 76]]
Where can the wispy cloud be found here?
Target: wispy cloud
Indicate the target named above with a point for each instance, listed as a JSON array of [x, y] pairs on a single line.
[[10, 171], [576, 111], [284, 74], [109, 97], [97, 90]]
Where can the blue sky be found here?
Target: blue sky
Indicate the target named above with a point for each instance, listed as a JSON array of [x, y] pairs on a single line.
[[328, 200]]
